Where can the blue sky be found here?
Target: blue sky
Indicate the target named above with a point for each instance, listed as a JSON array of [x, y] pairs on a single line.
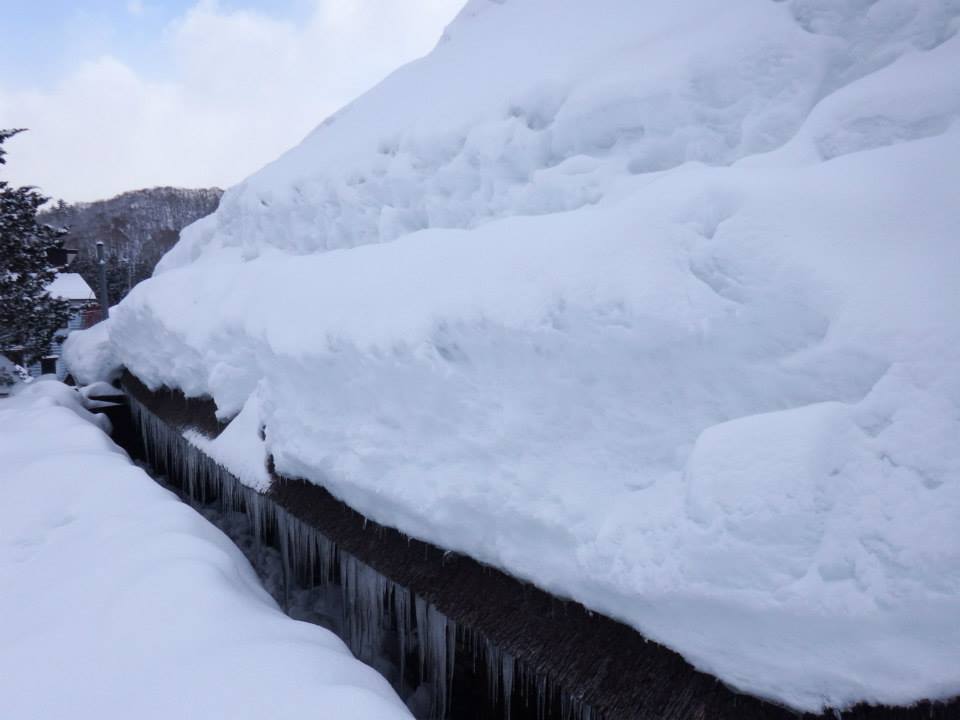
[[42, 39], [124, 94]]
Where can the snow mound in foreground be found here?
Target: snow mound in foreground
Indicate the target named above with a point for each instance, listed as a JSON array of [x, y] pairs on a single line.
[[120, 601], [656, 310]]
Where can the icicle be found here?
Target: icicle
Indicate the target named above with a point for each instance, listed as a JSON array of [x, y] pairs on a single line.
[[283, 542], [543, 698], [451, 658], [370, 602], [506, 670], [436, 636], [493, 673], [423, 643], [364, 595], [401, 604]]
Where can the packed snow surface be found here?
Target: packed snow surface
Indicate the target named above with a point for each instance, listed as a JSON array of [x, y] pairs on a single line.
[[653, 305], [119, 601]]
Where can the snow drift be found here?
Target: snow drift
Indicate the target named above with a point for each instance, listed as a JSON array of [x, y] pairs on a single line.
[[654, 307], [118, 600]]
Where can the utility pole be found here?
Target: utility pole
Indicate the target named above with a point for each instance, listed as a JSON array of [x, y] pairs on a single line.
[[102, 269]]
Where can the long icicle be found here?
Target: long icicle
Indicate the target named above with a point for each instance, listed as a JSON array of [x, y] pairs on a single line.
[[371, 602]]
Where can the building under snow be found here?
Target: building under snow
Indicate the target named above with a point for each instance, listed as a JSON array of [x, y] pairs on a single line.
[[84, 312]]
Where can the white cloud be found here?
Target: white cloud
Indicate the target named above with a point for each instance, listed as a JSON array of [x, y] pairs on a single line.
[[240, 89], [135, 7]]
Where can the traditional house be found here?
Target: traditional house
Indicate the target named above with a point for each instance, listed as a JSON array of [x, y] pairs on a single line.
[[84, 312]]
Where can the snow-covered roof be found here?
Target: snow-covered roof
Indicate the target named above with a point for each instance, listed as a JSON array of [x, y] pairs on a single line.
[[657, 312], [71, 286]]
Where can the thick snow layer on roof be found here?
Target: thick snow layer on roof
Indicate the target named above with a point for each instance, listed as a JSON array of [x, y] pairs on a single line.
[[120, 601], [70, 286], [654, 308]]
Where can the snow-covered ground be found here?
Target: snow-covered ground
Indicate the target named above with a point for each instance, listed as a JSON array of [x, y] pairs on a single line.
[[652, 305], [119, 601]]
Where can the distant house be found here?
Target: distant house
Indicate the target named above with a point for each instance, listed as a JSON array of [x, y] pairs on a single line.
[[84, 312]]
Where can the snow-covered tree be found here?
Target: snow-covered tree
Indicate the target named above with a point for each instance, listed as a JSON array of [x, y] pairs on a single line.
[[29, 316]]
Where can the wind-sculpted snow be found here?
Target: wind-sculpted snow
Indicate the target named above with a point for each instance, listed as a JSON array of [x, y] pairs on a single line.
[[666, 323], [528, 109]]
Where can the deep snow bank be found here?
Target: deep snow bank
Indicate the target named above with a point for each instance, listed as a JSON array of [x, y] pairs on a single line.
[[667, 323], [120, 601]]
